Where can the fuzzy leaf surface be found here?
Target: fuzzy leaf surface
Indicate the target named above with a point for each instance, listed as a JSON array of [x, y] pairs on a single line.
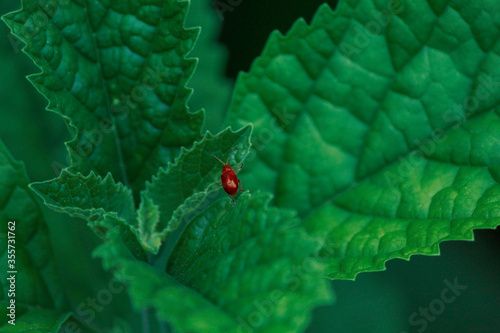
[[380, 129]]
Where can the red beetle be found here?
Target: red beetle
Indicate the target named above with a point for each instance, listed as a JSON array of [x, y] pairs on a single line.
[[230, 182]]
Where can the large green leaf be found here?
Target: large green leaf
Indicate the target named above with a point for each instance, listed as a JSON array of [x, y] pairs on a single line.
[[117, 72], [381, 129], [26, 254], [234, 269]]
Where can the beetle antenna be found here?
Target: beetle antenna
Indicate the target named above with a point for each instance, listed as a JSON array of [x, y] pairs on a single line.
[[217, 158], [230, 154]]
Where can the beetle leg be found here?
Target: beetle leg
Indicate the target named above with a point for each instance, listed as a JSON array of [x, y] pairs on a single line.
[[234, 201], [241, 188]]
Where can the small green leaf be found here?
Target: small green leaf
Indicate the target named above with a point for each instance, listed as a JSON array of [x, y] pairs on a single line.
[[179, 189], [101, 202], [230, 263], [148, 219], [31, 319], [24, 239], [86, 196], [380, 129], [117, 72]]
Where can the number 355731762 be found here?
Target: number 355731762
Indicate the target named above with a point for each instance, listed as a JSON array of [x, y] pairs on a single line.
[[11, 241]]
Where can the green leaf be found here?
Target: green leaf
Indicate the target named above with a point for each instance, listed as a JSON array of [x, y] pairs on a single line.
[[101, 202], [249, 257], [148, 286], [24, 239], [87, 197], [117, 72], [179, 189], [231, 264], [380, 129], [148, 219], [32, 319]]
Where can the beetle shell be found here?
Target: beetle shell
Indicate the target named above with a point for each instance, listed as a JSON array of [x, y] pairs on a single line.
[[229, 181]]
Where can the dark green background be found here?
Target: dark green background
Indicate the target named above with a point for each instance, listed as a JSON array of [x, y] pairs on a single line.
[[375, 302]]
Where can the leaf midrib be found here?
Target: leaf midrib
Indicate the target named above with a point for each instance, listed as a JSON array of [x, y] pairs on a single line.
[[124, 176]]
